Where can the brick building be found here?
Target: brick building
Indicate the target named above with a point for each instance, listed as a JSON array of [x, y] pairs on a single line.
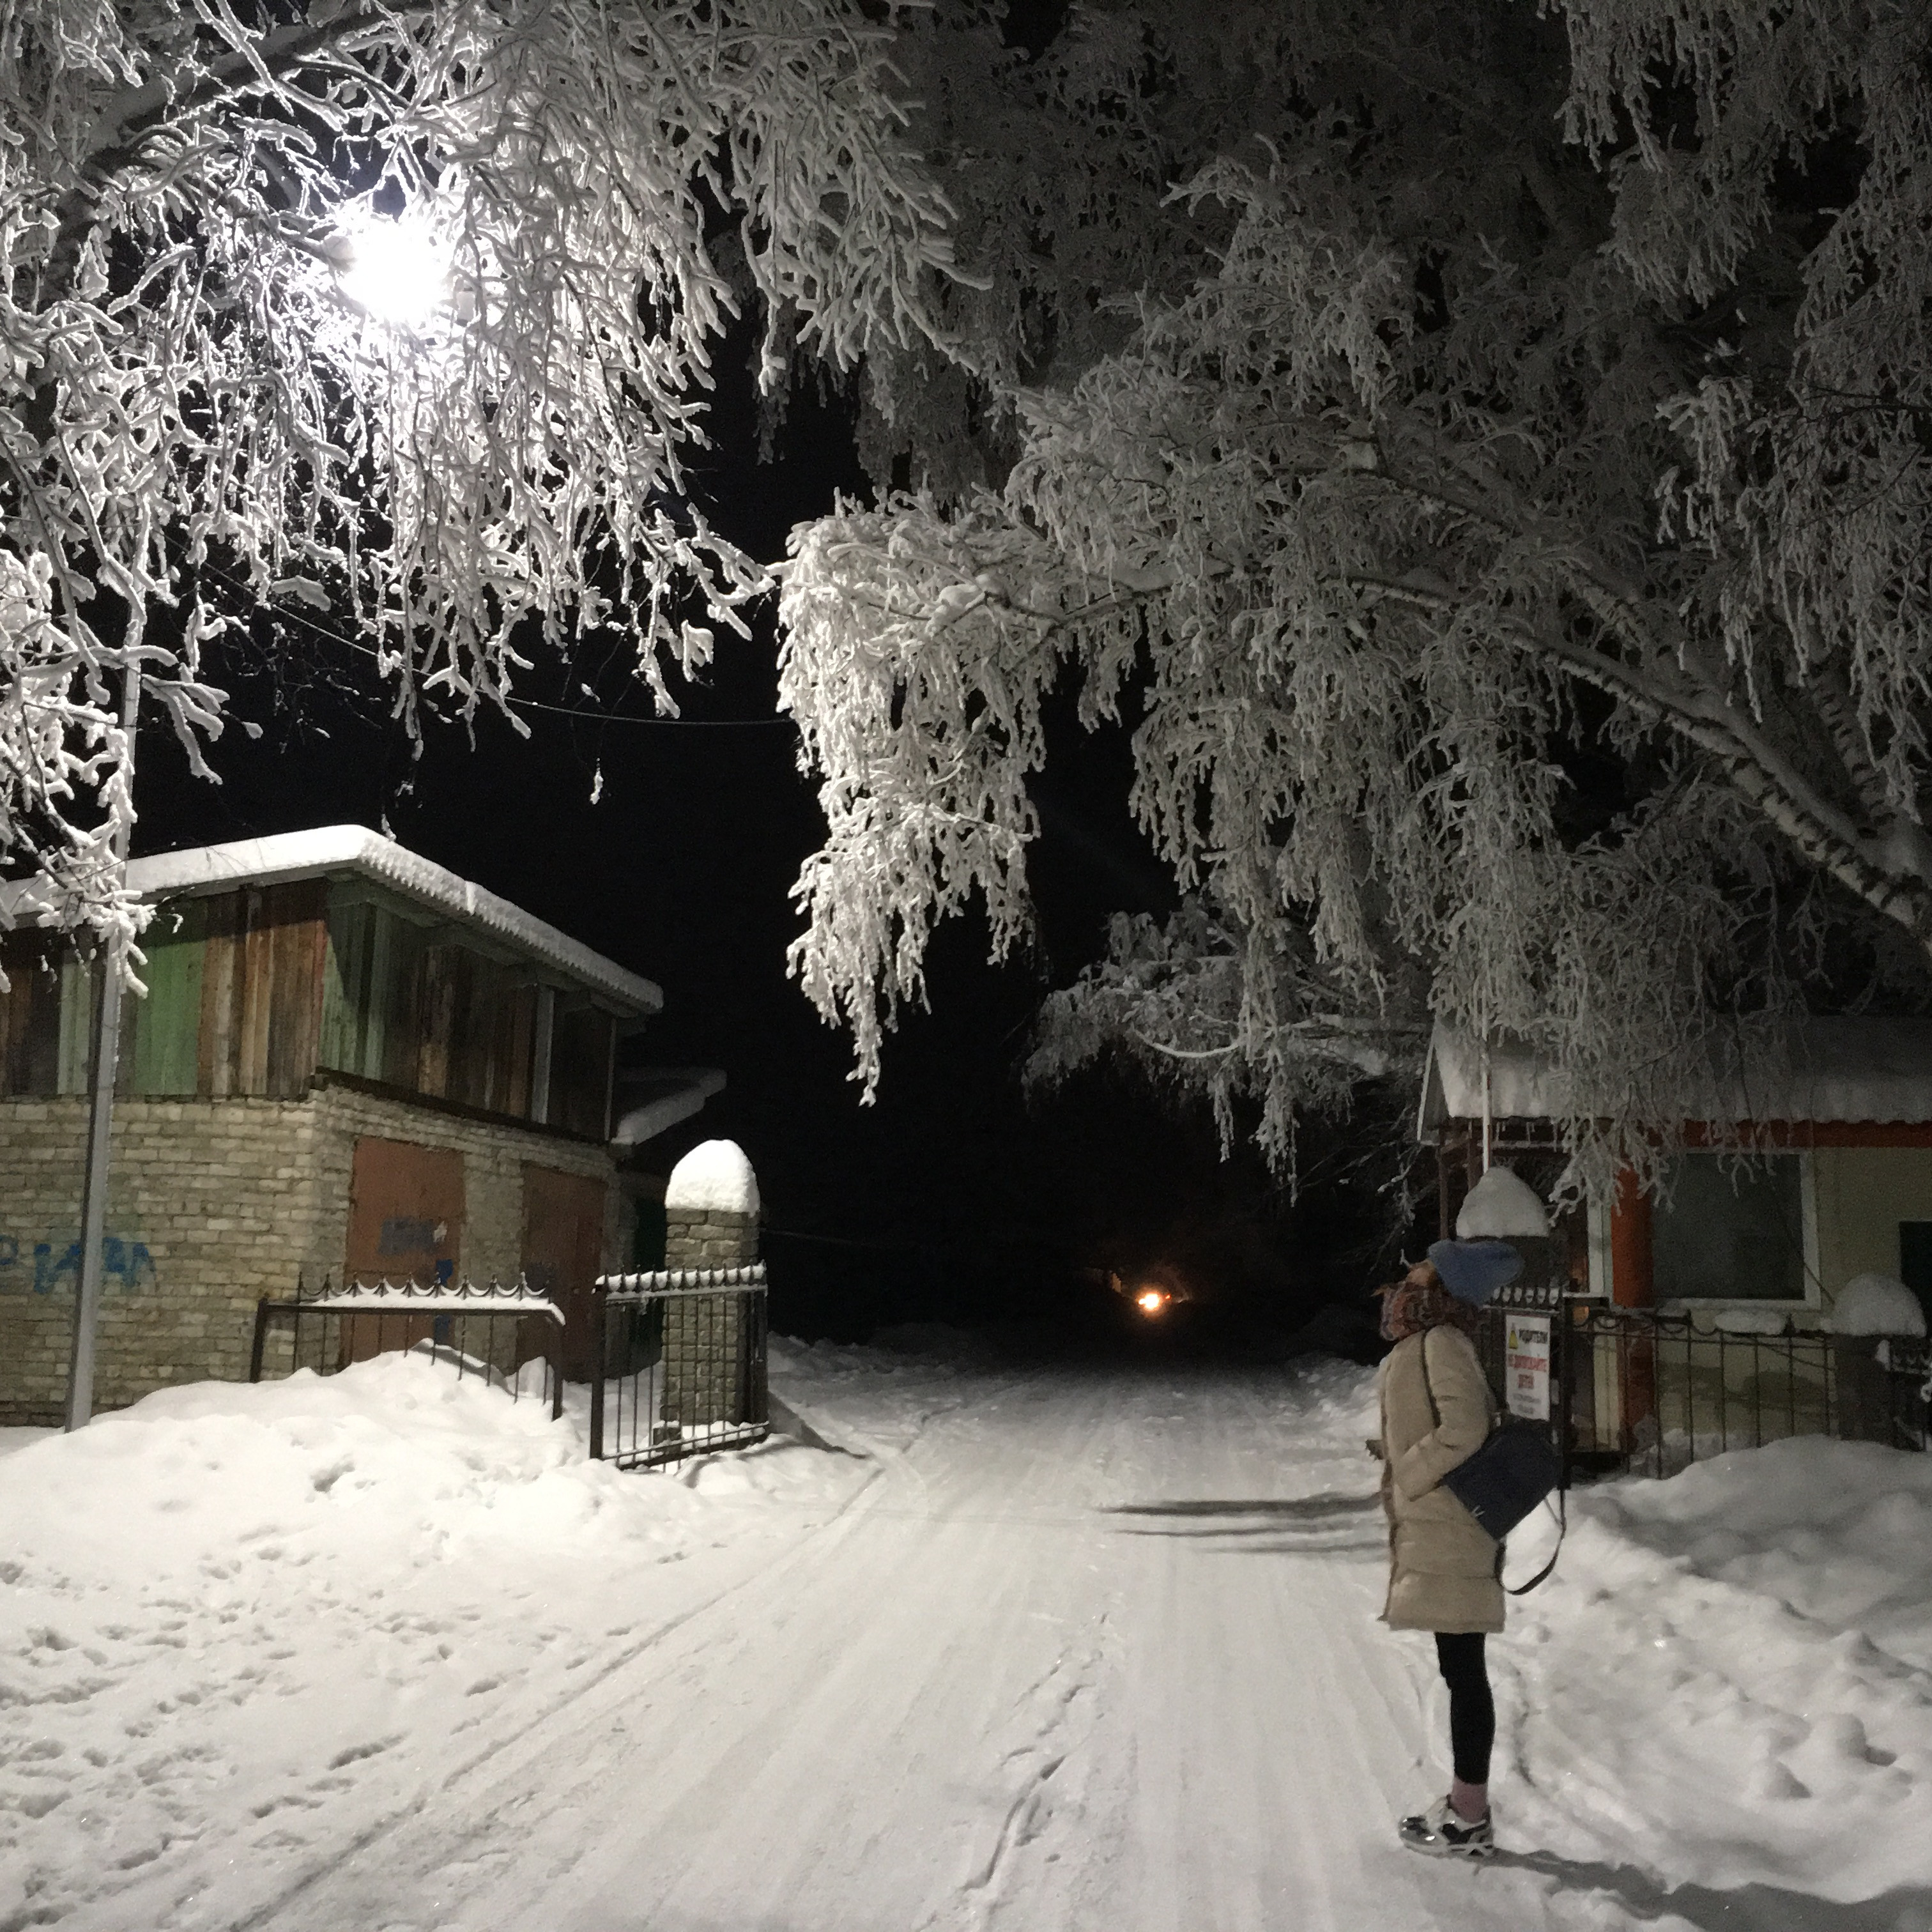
[[348, 1063]]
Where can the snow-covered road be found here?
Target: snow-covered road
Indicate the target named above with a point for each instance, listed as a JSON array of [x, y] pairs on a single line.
[[1090, 1651], [1052, 1652]]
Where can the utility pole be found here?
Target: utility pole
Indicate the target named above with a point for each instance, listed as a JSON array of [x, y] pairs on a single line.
[[103, 1063]]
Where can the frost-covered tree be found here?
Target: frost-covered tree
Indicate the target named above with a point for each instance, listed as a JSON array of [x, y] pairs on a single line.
[[405, 310], [1506, 505]]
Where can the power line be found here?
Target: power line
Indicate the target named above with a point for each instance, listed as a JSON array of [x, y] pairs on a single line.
[[283, 616]]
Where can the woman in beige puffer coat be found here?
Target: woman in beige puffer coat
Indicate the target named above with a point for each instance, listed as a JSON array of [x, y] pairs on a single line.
[[1436, 1412]]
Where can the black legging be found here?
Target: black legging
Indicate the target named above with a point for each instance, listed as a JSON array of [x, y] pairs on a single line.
[[1472, 1712]]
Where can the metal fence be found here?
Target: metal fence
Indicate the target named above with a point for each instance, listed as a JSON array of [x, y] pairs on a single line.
[[1652, 1391], [476, 1328], [678, 1364]]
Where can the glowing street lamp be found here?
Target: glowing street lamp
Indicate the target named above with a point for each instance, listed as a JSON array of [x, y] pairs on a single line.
[[1149, 1301], [397, 270]]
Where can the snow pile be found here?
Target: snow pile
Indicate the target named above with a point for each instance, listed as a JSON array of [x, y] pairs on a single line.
[[1744, 1320], [1729, 1681], [1876, 1304], [258, 1617], [714, 1177], [1502, 1207], [13, 1436]]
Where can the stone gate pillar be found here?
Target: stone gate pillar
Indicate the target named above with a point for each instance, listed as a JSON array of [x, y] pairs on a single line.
[[711, 1221]]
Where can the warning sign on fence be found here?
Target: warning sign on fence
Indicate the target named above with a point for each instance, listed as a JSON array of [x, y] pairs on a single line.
[[1526, 1367]]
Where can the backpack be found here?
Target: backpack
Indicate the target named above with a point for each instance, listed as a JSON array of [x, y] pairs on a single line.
[[1504, 1480]]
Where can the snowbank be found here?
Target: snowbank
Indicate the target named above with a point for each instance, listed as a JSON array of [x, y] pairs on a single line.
[[244, 1631], [714, 1178], [1729, 1681], [259, 1617]]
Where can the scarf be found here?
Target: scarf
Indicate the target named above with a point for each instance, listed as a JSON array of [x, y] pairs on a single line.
[[1408, 1307]]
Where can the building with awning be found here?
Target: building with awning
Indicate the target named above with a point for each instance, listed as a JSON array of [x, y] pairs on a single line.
[[1837, 1121], [348, 1063]]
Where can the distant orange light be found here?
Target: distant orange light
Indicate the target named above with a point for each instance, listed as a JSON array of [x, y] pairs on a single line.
[[1150, 1301]]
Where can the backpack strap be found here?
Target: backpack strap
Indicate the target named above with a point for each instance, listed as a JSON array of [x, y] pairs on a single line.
[[1562, 1530]]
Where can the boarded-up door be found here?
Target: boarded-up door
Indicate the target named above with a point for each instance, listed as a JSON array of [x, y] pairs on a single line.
[[563, 1245], [405, 1224]]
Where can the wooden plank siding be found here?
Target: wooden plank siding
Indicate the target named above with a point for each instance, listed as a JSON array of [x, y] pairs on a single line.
[[511, 1052], [255, 991], [215, 1048], [345, 986], [443, 993], [296, 1040], [77, 1026], [415, 1008], [160, 1038], [579, 1075], [266, 1026], [232, 1004], [254, 998]]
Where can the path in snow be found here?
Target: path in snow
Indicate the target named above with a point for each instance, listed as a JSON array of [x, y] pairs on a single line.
[[1089, 1651], [1054, 1652]]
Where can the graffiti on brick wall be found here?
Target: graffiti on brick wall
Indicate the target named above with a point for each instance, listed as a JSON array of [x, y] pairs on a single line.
[[53, 1267]]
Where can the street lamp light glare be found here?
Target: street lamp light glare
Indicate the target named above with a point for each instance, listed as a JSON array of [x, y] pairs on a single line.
[[396, 271]]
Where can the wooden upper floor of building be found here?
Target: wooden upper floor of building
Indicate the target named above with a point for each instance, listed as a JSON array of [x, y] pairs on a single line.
[[332, 954]]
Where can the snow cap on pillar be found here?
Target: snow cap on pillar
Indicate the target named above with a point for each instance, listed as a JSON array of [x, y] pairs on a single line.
[[1876, 1304], [1502, 1207], [714, 1178], [1472, 1271]]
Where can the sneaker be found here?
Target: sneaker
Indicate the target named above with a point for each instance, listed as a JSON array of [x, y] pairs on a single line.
[[1440, 1834]]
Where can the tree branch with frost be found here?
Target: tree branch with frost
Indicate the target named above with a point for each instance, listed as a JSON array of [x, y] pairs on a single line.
[[189, 380], [1715, 724], [1455, 476], [1179, 999], [923, 726]]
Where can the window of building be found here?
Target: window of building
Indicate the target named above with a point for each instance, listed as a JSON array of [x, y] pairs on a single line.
[[1727, 1232], [1915, 1260]]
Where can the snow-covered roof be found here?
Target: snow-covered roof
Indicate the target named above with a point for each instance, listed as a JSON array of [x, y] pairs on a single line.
[[1521, 1084], [326, 851], [651, 1099], [1844, 1068]]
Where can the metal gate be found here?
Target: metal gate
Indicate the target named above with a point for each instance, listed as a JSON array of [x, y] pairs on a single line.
[[1650, 1390], [483, 1329], [678, 1364]]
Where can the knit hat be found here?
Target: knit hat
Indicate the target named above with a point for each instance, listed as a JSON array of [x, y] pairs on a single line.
[[1472, 1271]]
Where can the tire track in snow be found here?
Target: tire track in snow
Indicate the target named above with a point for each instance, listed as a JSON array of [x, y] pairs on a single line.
[[1064, 1727], [1263, 1732], [879, 1778]]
